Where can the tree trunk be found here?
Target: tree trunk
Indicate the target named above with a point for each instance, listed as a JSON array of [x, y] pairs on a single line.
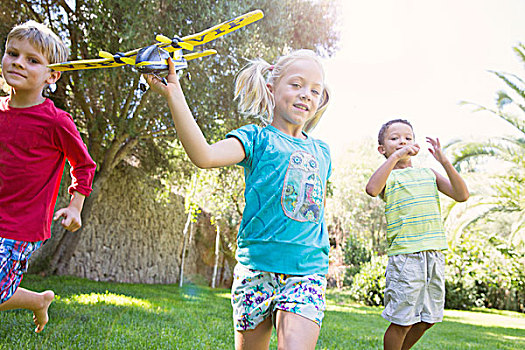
[[184, 245], [216, 265], [188, 223], [67, 244]]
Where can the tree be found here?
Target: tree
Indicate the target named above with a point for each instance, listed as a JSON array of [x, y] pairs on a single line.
[[506, 195], [221, 194], [116, 120], [350, 208], [355, 220], [191, 209]]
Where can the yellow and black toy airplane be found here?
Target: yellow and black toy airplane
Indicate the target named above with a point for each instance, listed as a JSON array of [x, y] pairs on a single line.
[[153, 58]]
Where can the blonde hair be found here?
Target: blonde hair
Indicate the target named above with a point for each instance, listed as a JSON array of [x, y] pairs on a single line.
[[42, 38], [255, 99]]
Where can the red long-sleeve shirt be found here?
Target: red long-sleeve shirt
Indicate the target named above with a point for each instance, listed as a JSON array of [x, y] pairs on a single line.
[[34, 145]]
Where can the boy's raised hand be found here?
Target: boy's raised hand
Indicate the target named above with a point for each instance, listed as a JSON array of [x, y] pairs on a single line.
[[436, 150], [408, 151]]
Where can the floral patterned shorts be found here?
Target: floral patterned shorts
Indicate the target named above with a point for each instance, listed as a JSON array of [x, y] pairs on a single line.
[[259, 294], [13, 264]]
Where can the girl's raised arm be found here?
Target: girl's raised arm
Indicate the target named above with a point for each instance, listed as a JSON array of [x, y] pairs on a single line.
[[225, 152]]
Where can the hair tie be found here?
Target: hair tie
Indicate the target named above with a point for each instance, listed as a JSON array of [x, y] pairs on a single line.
[[271, 68]]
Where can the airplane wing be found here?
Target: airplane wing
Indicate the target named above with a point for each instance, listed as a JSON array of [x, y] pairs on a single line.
[[85, 64], [223, 28], [110, 63], [193, 55], [188, 42], [206, 35]]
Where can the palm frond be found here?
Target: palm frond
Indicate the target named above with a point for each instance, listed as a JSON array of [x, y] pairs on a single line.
[[503, 99], [506, 192], [470, 153], [506, 79], [519, 50], [516, 121], [517, 236], [473, 214]]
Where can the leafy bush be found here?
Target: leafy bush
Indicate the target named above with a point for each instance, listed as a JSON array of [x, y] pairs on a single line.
[[356, 254], [483, 271], [460, 293], [369, 284]]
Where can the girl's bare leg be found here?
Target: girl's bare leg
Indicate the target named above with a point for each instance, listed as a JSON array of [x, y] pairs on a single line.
[[258, 338], [295, 331]]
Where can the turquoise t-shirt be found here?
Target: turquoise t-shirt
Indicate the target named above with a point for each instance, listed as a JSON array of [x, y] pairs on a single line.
[[283, 228]]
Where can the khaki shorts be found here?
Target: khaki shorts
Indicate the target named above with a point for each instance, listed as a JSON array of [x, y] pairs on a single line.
[[257, 295], [415, 288]]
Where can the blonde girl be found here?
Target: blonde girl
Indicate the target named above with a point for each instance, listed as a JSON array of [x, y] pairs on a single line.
[[282, 244]]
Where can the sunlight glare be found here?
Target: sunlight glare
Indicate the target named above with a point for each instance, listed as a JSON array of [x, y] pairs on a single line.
[[107, 298]]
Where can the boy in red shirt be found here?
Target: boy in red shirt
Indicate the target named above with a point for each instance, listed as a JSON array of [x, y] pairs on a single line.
[[35, 140]]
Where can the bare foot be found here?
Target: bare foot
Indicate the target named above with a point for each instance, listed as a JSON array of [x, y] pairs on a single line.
[[40, 316]]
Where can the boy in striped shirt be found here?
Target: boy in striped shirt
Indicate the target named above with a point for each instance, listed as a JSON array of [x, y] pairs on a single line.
[[415, 281]]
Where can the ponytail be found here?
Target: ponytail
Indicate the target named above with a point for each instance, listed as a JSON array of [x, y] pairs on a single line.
[[255, 99]]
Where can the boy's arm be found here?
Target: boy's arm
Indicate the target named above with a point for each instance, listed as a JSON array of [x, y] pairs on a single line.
[[453, 186], [71, 214], [225, 152], [68, 140], [377, 182]]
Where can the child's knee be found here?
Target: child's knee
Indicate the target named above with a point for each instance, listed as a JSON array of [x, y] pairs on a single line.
[[427, 325], [398, 329]]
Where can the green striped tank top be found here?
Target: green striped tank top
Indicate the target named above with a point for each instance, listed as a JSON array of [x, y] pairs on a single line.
[[413, 212]]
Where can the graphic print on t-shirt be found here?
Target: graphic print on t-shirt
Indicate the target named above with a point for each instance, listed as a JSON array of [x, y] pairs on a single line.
[[302, 197]]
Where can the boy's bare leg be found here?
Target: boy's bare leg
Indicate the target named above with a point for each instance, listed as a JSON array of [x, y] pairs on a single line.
[[258, 338], [395, 336], [415, 333], [295, 331], [36, 302]]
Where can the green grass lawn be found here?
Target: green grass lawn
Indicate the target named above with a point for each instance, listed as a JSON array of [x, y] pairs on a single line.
[[97, 315]]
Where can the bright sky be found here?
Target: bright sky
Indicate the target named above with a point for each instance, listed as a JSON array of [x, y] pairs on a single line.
[[417, 59]]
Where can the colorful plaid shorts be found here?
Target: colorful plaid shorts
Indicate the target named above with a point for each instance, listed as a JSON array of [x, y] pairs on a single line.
[[14, 256], [259, 294]]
